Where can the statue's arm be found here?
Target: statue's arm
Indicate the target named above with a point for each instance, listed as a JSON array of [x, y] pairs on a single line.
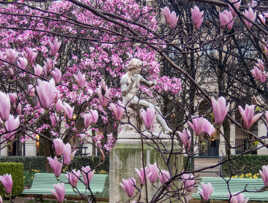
[[147, 82]]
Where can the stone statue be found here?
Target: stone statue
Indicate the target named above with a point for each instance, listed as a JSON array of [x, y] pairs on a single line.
[[130, 83]]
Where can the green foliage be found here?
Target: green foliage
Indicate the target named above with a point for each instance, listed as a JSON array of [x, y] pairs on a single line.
[[30, 162], [244, 164], [93, 162], [28, 177], [16, 171], [39, 163]]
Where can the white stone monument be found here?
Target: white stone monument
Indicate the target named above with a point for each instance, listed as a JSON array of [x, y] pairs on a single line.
[[127, 153]]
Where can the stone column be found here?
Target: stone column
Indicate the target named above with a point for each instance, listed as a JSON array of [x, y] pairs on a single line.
[[30, 147], [262, 131], [232, 137], [222, 151]]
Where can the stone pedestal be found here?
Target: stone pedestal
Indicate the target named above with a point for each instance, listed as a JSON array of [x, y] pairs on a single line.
[[30, 147], [127, 155], [124, 158]]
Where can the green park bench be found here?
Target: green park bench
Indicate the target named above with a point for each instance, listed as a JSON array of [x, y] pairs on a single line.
[[43, 185], [236, 185]]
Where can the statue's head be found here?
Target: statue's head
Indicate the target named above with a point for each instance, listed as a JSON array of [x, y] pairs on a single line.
[[134, 64]]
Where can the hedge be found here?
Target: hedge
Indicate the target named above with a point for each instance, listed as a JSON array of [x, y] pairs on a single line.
[[93, 162], [30, 162], [16, 171], [39, 163], [244, 164]]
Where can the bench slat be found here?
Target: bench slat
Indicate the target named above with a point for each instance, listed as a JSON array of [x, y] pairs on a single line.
[[236, 185], [43, 185]]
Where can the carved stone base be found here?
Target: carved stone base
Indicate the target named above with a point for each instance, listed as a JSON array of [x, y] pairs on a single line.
[[125, 157]]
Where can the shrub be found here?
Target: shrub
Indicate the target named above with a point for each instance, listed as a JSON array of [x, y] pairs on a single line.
[[30, 162], [39, 163], [244, 164], [16, 171], [93, 162]]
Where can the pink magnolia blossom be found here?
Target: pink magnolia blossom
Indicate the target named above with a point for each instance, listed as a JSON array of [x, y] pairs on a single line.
[[264, 175], [54, 47], [171, 18], [152, 172], [31, 90], [1, 200], [258, 74], [240, 198], [12, 123], [56, 73], [11, 56], [103, 94], [117, 110], [94, 116], [110, 142], [68, 110], [220, 109], [206, 191], [128, 185], [202, 125], [141, 174], [53, 120], [13, 97], [148, 117], [262, 19], [49, 65], [60, 107], [38, 70], [7, 182], [67, 154], [87, 175], [73, 177], [31, 55], [226, 19], [87, 119], [248, 115], [58, 146], [250, 17], [47, 93], [22, 63], [188, 181], [59, 192], [185, 137], [236, 4], [91, 117], [80, 79], [260, 64], [164, 176], [197, 17], [18, 109], [55, 165], [4, 106]]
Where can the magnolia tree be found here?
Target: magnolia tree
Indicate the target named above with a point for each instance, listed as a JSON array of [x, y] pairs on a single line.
[[61, 64]]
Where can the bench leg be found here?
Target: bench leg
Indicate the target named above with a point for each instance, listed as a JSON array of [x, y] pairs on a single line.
[[39, 198]]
